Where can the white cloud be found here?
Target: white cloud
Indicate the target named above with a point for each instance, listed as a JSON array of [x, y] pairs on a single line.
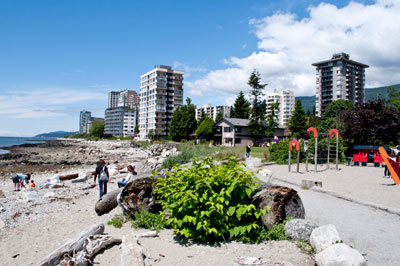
[[188, 69], [43, 103], [288, 46]]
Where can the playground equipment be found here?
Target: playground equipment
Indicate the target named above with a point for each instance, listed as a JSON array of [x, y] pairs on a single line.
[[314, 130], [393, 167], [298, 153], [315, 134]]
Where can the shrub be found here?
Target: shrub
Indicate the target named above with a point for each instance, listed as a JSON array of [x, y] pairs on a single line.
[[117, 221], [148, 220], [208, 202]]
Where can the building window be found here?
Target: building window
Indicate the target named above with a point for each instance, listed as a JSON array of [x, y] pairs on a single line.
[[238, 140], [227, 129], [238, 130], [228, 140]]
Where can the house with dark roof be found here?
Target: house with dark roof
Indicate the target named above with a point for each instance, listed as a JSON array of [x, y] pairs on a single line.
[[235, 132]]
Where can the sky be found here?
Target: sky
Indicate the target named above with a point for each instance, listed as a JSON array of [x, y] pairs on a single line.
[[59, 57]]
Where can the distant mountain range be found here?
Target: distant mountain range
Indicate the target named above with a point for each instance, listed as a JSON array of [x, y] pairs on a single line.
[[371, 94], [55, 134]]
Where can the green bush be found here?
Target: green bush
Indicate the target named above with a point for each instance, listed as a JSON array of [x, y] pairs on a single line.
[[117, 221], [208, 202], [188, 152], [148, 220]]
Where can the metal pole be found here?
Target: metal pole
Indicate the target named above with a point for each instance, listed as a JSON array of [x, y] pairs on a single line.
[[306, 149], [298, 160], [329, 149], [337, 152], [315, 153], [289, 158]]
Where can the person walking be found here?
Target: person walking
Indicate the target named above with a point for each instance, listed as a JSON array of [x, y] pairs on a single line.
[[248, 150], [102, 173]]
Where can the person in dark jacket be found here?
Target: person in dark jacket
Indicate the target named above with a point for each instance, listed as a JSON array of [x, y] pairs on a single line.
[[248, 150], [101, 172]]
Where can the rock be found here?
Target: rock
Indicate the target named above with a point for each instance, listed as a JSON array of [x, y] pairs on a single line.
[[138, 194], [310, 183], [30, 195], [79, 179], [2, 224], [340, 255], [253, 261], [324, 237], [2, 194], [284, 202], [299, 229], [50, 194]]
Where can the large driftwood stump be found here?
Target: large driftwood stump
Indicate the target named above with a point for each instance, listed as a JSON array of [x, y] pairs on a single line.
[[73, 245], [138, 195], [284, 202], [69, 177], [107, 203], [132, 253]]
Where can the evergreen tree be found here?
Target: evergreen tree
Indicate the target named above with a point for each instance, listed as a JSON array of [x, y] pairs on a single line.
[[206, 129], [202, 117], [219, 116], [183, 121], [258, 109], [241, 107], [272, 124], [297, 122]]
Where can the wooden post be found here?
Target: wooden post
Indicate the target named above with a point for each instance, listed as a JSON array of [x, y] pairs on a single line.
[[329, 149]]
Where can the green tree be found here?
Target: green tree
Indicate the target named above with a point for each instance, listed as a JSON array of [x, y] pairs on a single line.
[[241, 107], [272, 124], [330, 118], [97, 128], [394, 96], [297, 122], [202, 117], [206, 129], [258, 109], [219, 116], [152, 134], [183, 121]]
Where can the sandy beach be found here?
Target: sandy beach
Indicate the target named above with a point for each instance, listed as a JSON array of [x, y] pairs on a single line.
[[31, 230]]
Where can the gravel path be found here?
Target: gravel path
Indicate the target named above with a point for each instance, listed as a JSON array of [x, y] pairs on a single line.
[[373, 232]]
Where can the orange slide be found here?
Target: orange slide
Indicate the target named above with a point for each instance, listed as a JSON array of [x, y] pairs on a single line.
[[393, 167]]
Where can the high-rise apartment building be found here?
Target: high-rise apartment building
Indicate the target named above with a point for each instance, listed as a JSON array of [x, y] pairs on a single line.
[[122, 98], [212, 111], [128, 98], [84, 118], [113, 99], [339, 78], [286, 101], [161, 92]]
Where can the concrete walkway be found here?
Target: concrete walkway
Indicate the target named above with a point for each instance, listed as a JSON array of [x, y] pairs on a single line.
[[373, 232]]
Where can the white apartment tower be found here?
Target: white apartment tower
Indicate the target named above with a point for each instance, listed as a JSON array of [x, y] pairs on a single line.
[[161, 92], [113, 99], [339, 78], [212, 111], [286, 101]]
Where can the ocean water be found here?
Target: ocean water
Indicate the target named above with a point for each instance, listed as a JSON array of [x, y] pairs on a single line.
[[10, 141]]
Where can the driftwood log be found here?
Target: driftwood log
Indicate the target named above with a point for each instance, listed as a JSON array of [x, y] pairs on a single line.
[[69, 177], [71, 246], [132, 253], [284, 202], [139, 195], [107, 203]]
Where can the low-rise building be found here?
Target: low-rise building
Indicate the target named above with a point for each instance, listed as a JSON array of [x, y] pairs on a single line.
[[213, 111], [235, 132], [121, 121]]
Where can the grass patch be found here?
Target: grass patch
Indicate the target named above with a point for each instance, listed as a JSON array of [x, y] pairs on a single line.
[[306, 247], [117, 221], [148, 220]]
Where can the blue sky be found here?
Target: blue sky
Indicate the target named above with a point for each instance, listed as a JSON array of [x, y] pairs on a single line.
[[59, 57]]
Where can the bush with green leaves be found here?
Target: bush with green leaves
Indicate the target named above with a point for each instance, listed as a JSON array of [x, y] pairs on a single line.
[[148, 220], [117, 221], [208, 202]]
